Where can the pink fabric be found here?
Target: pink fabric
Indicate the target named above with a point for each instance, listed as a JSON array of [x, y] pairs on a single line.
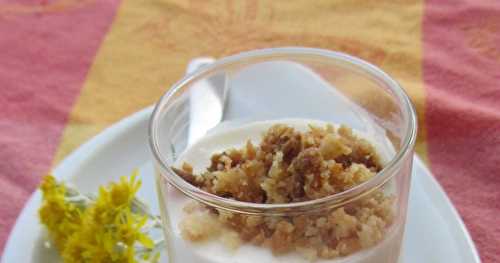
[[43, 63], [462, 79]]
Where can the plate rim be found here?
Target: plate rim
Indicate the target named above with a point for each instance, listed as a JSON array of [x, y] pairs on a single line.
[[64, 171]]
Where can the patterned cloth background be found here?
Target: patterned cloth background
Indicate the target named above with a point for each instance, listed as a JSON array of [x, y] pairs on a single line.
[[70, 68]]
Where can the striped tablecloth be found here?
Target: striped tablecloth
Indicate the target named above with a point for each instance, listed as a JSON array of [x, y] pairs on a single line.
[[70, 68]]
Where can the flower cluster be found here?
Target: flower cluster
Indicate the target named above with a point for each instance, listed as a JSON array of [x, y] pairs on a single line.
[[112, 227]]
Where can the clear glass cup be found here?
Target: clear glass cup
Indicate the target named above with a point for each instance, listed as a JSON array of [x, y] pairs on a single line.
[[280, 84]]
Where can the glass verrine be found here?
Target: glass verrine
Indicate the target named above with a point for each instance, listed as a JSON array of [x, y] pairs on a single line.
[[237, 98]]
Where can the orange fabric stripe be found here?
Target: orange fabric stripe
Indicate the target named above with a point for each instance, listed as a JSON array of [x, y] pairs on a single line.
[[151, 42]]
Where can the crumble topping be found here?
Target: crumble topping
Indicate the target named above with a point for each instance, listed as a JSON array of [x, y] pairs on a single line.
[[292, 166]]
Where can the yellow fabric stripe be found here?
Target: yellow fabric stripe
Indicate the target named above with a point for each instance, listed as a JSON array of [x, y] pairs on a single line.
[[150, 43]]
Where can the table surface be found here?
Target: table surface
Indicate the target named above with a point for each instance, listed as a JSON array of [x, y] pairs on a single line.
[[71, 68]]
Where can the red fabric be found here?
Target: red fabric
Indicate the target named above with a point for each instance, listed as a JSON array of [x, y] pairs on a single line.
[[462, 79], [44, 59]]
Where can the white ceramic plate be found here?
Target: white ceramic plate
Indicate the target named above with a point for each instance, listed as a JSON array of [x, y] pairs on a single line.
[[434, 232]]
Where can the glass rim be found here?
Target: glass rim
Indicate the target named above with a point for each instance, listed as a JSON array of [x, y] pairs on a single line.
[[336, 199]]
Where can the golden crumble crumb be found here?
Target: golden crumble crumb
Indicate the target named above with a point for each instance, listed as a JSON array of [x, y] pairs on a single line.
[[200, 226], [231, 240]]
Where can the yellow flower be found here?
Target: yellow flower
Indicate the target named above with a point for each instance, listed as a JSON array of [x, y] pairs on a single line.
[[105, 230], [129, 229], [60, 217], [123, 192]]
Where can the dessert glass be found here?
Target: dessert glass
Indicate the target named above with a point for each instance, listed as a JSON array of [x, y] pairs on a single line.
[[272, 85]]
